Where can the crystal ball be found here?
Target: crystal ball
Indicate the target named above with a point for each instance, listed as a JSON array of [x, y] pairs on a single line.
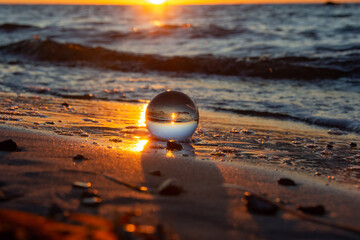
[[172, 115]]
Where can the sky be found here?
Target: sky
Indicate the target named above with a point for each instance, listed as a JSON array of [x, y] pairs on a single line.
[[170, 2]]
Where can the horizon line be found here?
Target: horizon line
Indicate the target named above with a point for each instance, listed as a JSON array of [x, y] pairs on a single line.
[[199, 4]]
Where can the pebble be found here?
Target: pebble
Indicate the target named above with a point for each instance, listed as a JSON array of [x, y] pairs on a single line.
[[326, 153], [258, 205], [329, 146], [90, 193], [8, 146], [91, 201], [173, 145], [91, 198], [170, 187], [79, 157], [262, 156], [311, 146], [78, 184], [9, 195], [286, 182], [247, 131], [318, 210], [336, 131], [353, 145], [57, 213], [156, 173], [117, 140], [234, 130]]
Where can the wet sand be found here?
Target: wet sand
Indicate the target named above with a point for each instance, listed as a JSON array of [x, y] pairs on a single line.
[[211, 205]]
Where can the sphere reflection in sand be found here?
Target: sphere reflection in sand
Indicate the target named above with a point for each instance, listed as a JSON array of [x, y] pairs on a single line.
[[172, 115]]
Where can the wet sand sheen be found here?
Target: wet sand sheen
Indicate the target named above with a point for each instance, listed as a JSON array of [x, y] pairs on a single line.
[[115, 142]]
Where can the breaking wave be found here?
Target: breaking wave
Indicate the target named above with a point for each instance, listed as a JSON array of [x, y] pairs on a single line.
[[288, 67]]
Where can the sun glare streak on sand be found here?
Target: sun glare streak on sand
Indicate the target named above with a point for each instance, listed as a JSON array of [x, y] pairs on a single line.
[[141, 122], [139, 146]]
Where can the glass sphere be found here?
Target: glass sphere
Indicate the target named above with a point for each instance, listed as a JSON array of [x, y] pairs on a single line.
[[172, 115]]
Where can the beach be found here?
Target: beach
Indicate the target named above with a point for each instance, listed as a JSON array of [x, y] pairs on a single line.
[[211, 205], [274, 90]]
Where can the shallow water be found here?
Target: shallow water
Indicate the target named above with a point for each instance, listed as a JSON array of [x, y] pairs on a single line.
[[294, 62]]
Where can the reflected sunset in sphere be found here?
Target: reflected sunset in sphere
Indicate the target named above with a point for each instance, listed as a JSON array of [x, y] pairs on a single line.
[[172, 115]]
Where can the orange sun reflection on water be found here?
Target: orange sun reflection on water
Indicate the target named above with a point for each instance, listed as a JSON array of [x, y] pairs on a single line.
[[139, 146], [141, 122], [141, 142]]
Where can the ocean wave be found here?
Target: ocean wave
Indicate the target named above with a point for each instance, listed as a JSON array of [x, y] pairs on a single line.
[[12, 27], [289, 67], [343, 124], [183, 30]]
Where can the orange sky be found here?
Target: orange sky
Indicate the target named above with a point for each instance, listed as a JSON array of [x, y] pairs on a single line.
[[140, 2]]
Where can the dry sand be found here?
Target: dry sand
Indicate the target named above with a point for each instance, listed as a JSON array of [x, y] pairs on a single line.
[[40, 172]]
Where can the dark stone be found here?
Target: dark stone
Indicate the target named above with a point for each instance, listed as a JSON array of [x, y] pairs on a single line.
[[170, 187], [57, 213], [286, 182], [8, 146], [173, 145], [65, 104], [79, 157], [313, 210], [90, 193], [2, 183], [329, 146], [258, 205], [9, 195], [353, 145], [156, 173]]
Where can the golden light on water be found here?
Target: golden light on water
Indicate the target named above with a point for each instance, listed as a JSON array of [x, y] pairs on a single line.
[[169, 154], [141, 122], [158, 23], [139, 146], [156, 2]]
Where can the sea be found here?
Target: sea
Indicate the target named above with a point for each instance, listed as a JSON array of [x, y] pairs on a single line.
[[298, 63]]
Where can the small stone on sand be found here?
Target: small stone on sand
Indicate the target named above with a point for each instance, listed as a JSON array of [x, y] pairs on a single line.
[[82, 184], [353, 145], [91, 201], [79, 157], [8, 146], [286, 182], [258, 205], [170, 187], [173, 145], [156, 173], [313, 210]]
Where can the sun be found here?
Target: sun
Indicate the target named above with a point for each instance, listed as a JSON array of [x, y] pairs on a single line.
[[156, 2]]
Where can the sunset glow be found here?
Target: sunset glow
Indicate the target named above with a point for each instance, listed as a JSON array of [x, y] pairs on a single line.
[[156, 2], [167, 2]]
